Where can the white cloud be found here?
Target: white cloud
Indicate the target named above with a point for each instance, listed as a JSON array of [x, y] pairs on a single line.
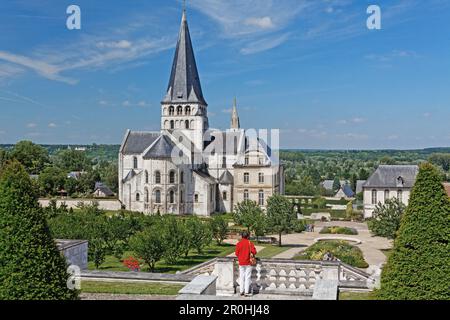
[[52, 125], [263, 23], [355, 120], [121, 44], [31, 125], [264, 44]]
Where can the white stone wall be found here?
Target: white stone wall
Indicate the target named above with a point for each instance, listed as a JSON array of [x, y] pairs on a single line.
[[393, 193], [76, 254], [110, 205]]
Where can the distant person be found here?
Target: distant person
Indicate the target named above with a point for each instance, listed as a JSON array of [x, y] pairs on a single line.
[[245, 252]]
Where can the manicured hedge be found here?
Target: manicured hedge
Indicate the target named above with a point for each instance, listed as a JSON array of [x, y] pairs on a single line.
[[338, 230], [419, 266]]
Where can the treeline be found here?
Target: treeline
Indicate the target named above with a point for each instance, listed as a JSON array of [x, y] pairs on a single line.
[[51, 171], [305, 170]]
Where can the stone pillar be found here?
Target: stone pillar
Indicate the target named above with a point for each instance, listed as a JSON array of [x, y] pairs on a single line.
[[224, 269]]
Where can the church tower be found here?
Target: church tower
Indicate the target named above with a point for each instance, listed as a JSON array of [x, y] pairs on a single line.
[[184, 108], [235, 125]]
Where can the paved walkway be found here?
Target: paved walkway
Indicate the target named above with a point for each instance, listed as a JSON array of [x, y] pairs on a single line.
[[370, 246]]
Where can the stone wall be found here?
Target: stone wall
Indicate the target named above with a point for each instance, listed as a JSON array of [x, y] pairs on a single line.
[[75, 252], [110, 205]]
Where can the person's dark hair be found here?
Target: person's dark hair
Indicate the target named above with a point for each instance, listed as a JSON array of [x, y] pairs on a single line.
[[245, 235]]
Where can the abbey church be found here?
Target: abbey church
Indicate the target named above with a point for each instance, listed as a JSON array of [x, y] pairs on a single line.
[[187, 167]]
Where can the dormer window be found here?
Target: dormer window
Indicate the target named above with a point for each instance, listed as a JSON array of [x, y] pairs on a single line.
[[400, 182]]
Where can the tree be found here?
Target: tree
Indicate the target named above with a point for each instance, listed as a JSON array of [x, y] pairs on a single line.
[[354, 182], [51, 181], [32, 156], [199, 234], [336, 184], [363, 174], [97, 252], [148, 245], [31, 266], [219, 229], [418, 267], [73, 160], [280, 216], [386, 218], [4, 157], [245, 214], [441, 159], [174, 237]]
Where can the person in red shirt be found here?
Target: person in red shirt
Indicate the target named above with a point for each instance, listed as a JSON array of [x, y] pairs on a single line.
[[244, 249]]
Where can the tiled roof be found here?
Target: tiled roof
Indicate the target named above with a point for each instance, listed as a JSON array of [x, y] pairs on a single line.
[[136, 142]]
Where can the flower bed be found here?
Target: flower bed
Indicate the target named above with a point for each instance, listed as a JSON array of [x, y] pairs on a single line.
[[338, 230], [339, 249]]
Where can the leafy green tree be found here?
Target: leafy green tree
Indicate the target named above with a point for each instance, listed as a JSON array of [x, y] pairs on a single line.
[[174, 237], [336, 184], [51, 181], [280, 216], [109, 174], [219, 228], [97, 252], [441, 159], [386, 218], [148, 245], [306, 187], [4, 157], [245, 212], [353, 181], [32, 156], [73, 160], [199, 234], [31, 267], [363, 174], [418, 267]]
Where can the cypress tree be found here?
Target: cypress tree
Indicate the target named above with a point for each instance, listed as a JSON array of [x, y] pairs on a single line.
[[31, 267], [419, 266]]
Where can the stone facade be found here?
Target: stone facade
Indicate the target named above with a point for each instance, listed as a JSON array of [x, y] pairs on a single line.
[[187, 167]]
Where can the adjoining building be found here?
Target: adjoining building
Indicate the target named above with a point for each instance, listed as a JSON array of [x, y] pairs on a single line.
[[387, 182], [187, 167]]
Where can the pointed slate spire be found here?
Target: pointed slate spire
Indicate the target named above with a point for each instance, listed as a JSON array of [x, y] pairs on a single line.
[[184, 85], [234, 117]]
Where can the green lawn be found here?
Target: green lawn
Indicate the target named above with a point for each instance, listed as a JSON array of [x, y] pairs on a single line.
[[356, 296], [112, 264], [270, 251], [162, 289]]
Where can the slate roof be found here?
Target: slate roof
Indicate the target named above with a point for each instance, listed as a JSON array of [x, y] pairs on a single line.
[[386, 176], [359, 186], [161, 148], [348, 191], [205, 176], [136, 142], [226, 178], [130, 175], [105, 190], [184, 84], [328, 184]]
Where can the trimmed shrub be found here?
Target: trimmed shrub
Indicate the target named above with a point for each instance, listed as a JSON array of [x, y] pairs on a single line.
[[418, 267], [386, 218], [31, 266]]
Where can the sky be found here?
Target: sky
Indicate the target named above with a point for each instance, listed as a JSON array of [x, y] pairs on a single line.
[[310, 68]]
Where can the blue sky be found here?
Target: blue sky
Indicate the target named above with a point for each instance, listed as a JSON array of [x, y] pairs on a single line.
[[310, 68]]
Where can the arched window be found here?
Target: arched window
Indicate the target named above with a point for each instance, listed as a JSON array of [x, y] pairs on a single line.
[[181, 197], [245, 194], [171, 110], [374, 197], [172, 124], [146, 176], [186, 123], [188, 110], [261, 197], [224, 196], [157, 196], [400, 195], [196, 198], [157, 177], [146, 196], [246, 178], [172, 197], [181, 177], [179, 111], [192, 126], [135, 162], [138, 197], [172, 177], [386, 195], [235, 145]]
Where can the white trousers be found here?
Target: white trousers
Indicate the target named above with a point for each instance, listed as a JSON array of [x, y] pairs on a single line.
[[245, 278]]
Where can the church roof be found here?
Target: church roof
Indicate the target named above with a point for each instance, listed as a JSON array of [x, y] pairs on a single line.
[[130, 175], [226, 178], [184, 84], [162, 148], [387, 176], [136, 142], [205, 176]]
